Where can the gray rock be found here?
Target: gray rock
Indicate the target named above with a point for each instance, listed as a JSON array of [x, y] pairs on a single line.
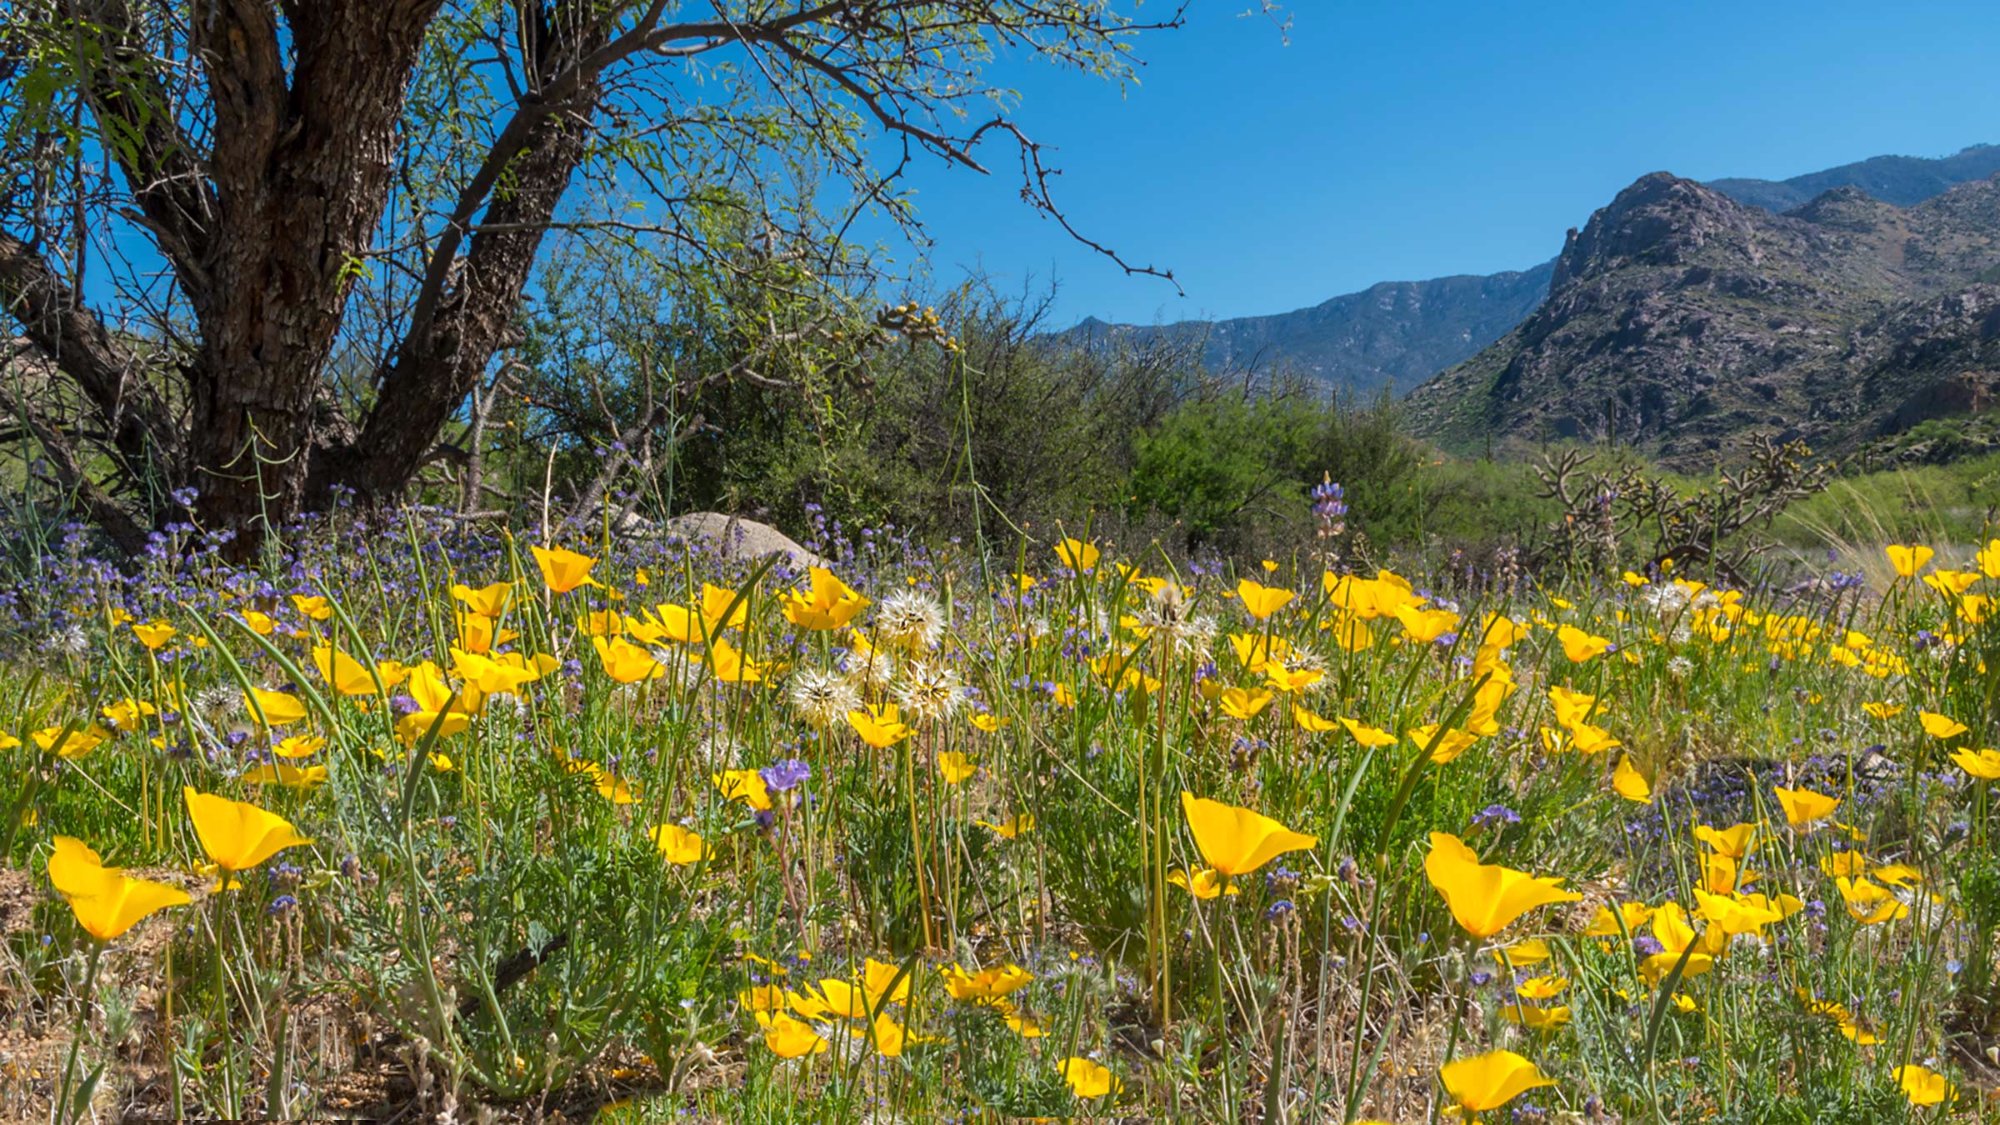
[[737, 539]]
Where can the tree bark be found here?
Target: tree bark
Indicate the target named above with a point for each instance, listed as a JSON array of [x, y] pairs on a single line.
[[446, 353], [301, 172]]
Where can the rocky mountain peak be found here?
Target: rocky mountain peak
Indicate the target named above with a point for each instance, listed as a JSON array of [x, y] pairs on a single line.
[[1847, 208], [1681, 321], [1660, 219]]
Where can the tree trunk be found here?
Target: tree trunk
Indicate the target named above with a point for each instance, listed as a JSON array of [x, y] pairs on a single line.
[[301, 175], [444, 356]]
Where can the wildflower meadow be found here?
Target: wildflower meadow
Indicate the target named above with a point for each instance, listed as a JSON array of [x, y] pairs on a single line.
[[417, 822]]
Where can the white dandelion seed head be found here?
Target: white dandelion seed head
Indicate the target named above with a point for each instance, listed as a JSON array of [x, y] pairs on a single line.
[[70, 640], [1169, 616], [822, 698], [910, 619], [868, 669], [215, 699], [929, 690]]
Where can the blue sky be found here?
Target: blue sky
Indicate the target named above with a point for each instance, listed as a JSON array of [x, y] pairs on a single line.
[[1403, 141]]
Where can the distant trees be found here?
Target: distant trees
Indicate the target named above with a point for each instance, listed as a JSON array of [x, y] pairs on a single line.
[[271, 246]]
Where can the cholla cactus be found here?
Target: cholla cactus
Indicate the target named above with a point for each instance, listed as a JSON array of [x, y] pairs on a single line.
[[1630, 514]]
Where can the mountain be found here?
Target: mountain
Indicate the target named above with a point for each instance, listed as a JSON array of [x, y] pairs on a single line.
[[1902, 180], [1397, 334], [1681, 321]]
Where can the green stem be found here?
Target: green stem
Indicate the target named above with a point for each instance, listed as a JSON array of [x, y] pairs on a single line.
[[64, 1112]]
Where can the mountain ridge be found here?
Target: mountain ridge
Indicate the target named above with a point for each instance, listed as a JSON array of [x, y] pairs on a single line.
[[1398, 334], [1681, 321]]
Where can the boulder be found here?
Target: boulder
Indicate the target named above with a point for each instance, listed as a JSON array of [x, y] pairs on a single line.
[[737, 539]]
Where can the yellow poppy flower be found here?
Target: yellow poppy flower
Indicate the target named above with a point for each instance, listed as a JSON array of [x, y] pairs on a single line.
[[238, 836], [1286, 679], [1088, 1079], [1372, 737], [879, 725], [1941, 726], [287, 775], [276, 708], [1580, 646], [1606, 923], [126, 713], [1541, 988], [1078, 556], [1907, 560], [1445, 747], [889, 1036], [1951, 583], [626, 662], [1312, 723], [730, 666], [1630, 784], [679, 846], [1989, 559], [1489, 1081], [73, 745], [1734, 915], [1571, 707], [611, 787], [1534, 1018], [762, 998], [342, 672], [1721, 873], [955, 767], [1486, 898], [487, 601], [311, 607], [827, 604], [1237, 841], [1681, 945], [1982, 764], [106, 901], [879, 982], [1424, 626], [299, 746], [1261, 601], [986, 984], [1011, 827], [1202, 882], [790, 1038], [1870, 903], [1898, 875], [746, 786], [1804, 807], [564, 570], [1019, 1024], [1734, 841], [1521, 954], [1244, 703], [153, 634], [1585, 738], [1923, 1086]]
